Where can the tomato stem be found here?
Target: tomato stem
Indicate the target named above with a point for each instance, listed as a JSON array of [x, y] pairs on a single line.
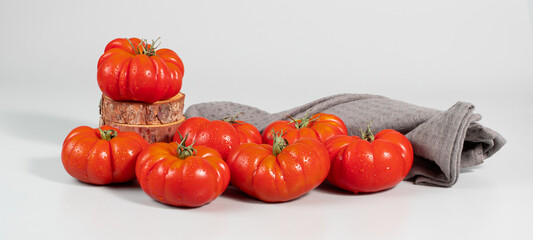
[[305, 121], [134, 48], [145, 48], [279, 142], [185, 151], [150, 51], [107, 134], [232, 120], [367, 135]]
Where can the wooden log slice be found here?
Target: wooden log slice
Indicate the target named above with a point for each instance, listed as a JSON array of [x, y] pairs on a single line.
[[151, 133], [139, 113]]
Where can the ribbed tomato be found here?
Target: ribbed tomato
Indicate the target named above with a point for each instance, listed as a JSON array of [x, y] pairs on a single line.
[[216, 134], [101, 155], [177, 175], [281, 172], [371, 163], [248, 133], [320, 126], [131, 69]]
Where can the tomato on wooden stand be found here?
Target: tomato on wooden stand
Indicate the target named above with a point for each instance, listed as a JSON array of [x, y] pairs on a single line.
[[101, 155], [131, 69]]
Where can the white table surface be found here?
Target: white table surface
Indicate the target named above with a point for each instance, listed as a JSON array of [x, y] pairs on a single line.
[[273, 55]]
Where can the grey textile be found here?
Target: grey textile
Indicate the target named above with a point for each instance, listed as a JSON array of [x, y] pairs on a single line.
[[443, 141]]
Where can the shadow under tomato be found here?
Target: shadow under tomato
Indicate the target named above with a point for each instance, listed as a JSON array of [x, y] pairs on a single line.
[[131, 191], [327, 187], [234, 193]]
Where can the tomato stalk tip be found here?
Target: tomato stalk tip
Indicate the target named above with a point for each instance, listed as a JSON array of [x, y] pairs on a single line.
[[367, 135], [107, 134], [305, 121], [279, 142], [232, 119], [185, 151], [145, 48]]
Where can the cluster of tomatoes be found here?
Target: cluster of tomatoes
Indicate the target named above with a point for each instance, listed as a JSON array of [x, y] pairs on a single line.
[[289, 159]]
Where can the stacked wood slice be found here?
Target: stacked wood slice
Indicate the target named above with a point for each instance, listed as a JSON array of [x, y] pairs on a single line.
[[155, 122]]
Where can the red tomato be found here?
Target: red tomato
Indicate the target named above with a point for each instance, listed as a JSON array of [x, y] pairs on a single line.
[[248, 133], [216, 134], [131, 69], [182, 176], [371, 164], [280, 172], [320, 126], [101, 155]]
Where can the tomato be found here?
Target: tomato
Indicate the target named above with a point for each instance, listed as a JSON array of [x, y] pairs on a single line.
[[280, 172], [101, 155], [248, 133], [320, 126], [371, 163], [216, 134], [131, 69], [177, 175]]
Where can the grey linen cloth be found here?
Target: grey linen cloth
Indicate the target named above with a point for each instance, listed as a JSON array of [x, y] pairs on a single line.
[[443, 141]]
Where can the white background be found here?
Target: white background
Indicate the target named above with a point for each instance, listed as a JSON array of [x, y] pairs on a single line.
[[273, 55]]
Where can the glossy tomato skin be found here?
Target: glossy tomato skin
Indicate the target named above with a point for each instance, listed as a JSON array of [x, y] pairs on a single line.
[[324, 127], [125, 74], [358, 165], [296, 170], [216, 134], [91, 159], [248, 133], [190, 182]]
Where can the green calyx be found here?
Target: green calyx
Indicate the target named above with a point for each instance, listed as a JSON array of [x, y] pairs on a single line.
[[367, 135], [232, 119], [305, 121], [107, 134], [279, 142], [185, 151], [145, 48]]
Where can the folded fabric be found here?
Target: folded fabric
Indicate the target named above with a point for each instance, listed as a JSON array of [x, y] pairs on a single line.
[[443, 141]]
